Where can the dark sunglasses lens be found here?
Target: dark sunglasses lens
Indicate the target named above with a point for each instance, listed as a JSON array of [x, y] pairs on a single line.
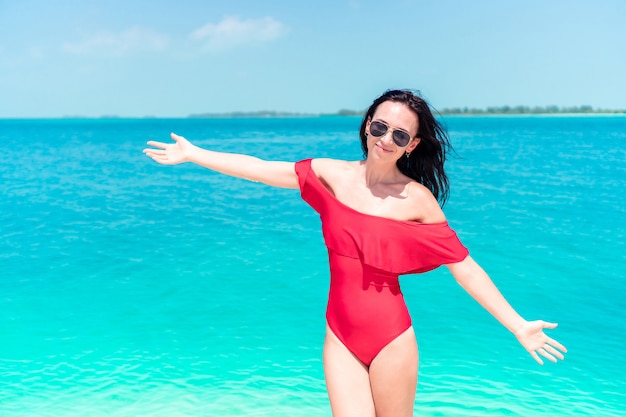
[[377, 129], [401, 138]]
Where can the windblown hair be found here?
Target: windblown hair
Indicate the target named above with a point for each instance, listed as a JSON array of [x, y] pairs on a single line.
[[425, 163]]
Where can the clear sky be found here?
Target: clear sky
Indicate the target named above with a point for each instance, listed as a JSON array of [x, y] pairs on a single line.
[[175, 58]]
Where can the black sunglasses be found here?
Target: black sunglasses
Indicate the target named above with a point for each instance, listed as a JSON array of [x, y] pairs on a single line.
[[400, 137]]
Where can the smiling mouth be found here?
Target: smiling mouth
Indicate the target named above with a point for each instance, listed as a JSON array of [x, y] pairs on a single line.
[[383, 148]]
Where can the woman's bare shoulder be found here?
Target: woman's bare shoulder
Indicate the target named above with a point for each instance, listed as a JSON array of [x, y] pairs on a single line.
[[325, 167], [426, 206]]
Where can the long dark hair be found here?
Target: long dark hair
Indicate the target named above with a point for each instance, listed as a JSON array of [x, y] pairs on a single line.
[[425, 164]]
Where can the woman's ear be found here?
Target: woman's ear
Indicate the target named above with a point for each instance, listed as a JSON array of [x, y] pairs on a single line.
[[413, 145]]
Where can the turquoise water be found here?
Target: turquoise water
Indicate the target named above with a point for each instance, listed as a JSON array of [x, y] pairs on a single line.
[[132, 289]]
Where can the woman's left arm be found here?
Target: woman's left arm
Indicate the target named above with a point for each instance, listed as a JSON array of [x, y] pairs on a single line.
[[530, 334]]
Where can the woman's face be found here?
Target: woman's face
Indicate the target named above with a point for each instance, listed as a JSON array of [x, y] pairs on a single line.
[[399, 121]]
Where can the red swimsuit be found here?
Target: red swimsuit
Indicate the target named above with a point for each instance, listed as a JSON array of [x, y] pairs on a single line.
[[367, 253]]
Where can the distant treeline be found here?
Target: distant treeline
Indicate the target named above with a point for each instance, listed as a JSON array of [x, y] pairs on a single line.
[[271, 113], [504, 110], [444, 111], [526, 110], [251, 114]]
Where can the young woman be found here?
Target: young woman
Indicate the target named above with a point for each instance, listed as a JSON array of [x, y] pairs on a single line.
[[381, 217]]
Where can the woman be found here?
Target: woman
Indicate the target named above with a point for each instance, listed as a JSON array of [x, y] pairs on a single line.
[[380, 218]]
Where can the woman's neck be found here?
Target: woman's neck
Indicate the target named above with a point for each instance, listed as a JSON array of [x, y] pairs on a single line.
[[379, 172]]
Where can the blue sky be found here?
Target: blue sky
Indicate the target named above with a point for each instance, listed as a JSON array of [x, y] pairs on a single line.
[[175, 58]]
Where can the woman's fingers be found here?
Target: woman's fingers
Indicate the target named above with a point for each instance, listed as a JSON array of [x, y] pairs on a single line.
[[168, 153], [158, 156], [554, 352], [161, 160], [549, 350], [160, 145], [153, 151], [543, 352], [536, 357], [549, 325], [557, 345]]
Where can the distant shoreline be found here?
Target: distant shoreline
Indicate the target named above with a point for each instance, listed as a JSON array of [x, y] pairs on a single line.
[[505, 110], [500, 110], [453, 111]]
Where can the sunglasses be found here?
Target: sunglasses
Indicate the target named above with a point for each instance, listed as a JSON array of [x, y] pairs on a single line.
[[400, 137]]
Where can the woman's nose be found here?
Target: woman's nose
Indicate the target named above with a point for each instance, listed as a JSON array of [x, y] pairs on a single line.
[[387, 137]]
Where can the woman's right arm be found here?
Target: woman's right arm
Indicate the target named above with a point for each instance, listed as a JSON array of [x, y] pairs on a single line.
[[275, 173]]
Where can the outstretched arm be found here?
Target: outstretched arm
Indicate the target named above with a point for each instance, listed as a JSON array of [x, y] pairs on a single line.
[[275, 173], [530, 334]]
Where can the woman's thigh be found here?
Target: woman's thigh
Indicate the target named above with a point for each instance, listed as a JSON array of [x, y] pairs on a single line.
[[393, 377], [347, 380]]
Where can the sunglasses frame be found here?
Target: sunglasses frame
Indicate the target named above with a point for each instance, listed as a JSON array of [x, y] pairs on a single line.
[[393, 133]]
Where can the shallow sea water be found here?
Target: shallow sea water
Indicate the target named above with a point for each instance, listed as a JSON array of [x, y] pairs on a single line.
[[132, 289]]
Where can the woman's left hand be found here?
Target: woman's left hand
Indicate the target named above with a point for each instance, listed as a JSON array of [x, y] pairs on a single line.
[[536, 342]]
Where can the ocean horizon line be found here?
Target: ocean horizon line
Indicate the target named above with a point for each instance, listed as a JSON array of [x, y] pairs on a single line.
[[268, 114]]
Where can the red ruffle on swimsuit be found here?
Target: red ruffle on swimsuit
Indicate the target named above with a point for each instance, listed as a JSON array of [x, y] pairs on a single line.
[[366, 309]]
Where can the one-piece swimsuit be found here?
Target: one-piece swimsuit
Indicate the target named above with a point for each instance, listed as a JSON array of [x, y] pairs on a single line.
[[366, 309]]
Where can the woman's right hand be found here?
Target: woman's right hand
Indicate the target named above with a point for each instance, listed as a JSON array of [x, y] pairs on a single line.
[[274, 173], [170, 153]]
